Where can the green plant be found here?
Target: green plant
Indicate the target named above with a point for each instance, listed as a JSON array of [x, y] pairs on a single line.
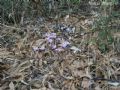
[[11, 10], [104, 38], [74, 1]]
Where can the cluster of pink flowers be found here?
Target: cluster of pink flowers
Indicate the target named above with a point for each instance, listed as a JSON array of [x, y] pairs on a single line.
[[56, 43]]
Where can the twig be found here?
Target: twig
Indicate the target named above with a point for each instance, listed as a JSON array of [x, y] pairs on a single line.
[[10, 26]]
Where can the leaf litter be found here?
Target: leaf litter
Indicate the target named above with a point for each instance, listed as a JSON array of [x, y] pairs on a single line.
[[58, 56]]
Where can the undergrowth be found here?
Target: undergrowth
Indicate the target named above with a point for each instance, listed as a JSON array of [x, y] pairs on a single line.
[[59, 45]]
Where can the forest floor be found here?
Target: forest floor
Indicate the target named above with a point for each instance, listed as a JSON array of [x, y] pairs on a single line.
[[58, 54]]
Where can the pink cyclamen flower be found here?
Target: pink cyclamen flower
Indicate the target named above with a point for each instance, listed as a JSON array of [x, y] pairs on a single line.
[[35, 48], [59, 39], [59, 49], [50, 35], [49, 40], [64, 44], [53, 46], [42, 47]]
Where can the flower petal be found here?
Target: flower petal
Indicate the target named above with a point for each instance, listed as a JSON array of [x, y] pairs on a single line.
[[35, 48], [42, 47], [50, 35], [64, 44], [53, 46], [49, 40], [59, 49]]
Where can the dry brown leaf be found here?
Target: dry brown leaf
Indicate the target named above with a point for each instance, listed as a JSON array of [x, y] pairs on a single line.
[[18, 77], [116, 35], [85, 83], [115, 88], [4, 67], [50, 86], [78, 64], [66, 17], [98, 88], [78, 73], [39, 42], [45, 77], [19, 68], [73, 87], [4, 86], [70, 19], [4, 53], [68, 84], [11, 86]]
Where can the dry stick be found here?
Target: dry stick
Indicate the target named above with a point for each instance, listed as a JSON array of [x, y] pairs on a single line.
[[11, 27]]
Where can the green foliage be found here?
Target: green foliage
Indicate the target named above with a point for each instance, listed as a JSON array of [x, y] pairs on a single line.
[[11, 10], [74, 1], [108, 2], [104, 38], [103, 47]]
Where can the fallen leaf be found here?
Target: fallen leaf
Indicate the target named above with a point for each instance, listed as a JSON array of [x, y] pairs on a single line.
[[114, 83], [11, 85], [97, 88], [75, 49], [85, 83]]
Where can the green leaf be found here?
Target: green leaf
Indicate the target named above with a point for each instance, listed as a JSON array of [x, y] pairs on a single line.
[[103, 47]]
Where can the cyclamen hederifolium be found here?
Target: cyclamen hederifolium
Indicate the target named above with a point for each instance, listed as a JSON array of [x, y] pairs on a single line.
[[59, 39]]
